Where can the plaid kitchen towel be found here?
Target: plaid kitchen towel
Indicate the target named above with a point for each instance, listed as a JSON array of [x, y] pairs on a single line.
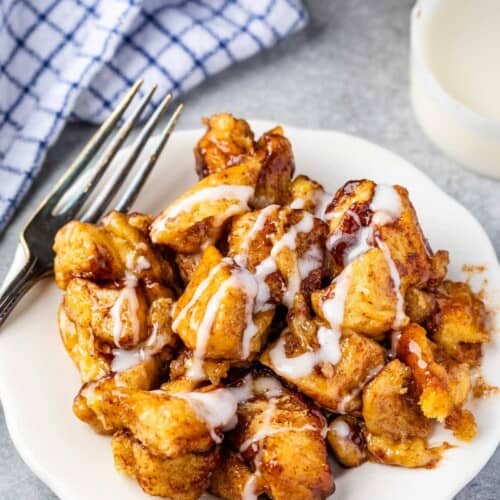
[[73, 59]]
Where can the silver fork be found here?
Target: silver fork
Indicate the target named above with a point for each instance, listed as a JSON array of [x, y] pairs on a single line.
[[38, 235]]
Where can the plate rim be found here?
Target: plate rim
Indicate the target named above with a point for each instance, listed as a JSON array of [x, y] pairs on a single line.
[[58, 487]]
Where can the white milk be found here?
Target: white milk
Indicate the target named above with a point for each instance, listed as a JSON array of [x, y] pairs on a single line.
[[455, 78], [461, 43]]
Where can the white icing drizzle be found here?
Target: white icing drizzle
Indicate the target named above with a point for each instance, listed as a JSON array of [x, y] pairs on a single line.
[[302, 365], [322, 200], [260, 221], [123, 359], [414, 348], [240, 278], [272, 431], [268, 387], [256, 291], [195, 371], [130, 259], [333, 309], [289, 240], [298, 203], [196, 295], [328, 338], [245, 390], [265, 430], [217, 409], [334, 214], [247, 282], [248, 492], [136, 262], [142, 264], [262, 271], [386, 208], [387, 200], [89, 393], [363, 243], [240, 194], [342, 405], [400, 319], [128, 296], [341, 428], [311, 260]]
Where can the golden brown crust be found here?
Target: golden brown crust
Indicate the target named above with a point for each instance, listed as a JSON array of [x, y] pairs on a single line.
[[419, 304], [88, 404], [415, 350], [277, 166], [307, 194], [88, 320], [458, 322], [390, 405], [84, 250], [340, 296], [336, 388], [347, 441], [200, 215], [396, 429], [187, 264], [371, 302], [390, 244], [104, 253], [215, 370], [167, 425], [91, 306], [442, 384], [225, 335], [227, 142], [410, 453], [264, 237], [230, 477], [80, 344], [286, 424], [185, 477], [403, 236], [463, 424]]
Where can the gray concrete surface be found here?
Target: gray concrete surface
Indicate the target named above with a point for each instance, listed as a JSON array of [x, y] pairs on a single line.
[[346, 71]]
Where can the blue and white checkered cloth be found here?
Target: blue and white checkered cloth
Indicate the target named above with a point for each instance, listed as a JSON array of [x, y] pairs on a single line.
[[66, 60]]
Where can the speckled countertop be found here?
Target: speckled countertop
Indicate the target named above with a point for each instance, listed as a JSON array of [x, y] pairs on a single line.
[[348, 70]]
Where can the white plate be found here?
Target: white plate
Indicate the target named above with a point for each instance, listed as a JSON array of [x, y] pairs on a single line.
[[38, 380]]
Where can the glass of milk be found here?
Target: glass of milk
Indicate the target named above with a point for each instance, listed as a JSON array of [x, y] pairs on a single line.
[[455, 78]]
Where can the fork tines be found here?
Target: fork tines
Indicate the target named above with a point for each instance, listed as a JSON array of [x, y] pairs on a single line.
[[71, 196], [74, 207]]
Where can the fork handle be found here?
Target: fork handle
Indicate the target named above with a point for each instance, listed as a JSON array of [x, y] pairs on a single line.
[[23, 280]]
